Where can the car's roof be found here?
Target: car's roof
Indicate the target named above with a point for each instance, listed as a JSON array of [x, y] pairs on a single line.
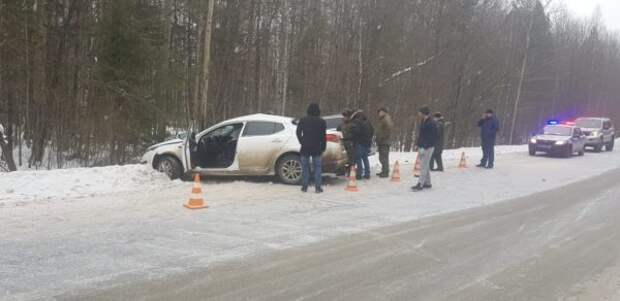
[[261, 117]]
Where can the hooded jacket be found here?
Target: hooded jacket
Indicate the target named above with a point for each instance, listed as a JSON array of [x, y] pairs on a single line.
[[311, 132], [361, 129]]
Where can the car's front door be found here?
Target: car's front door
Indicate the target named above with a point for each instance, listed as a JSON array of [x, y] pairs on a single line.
[[259, 145], [217, 149]]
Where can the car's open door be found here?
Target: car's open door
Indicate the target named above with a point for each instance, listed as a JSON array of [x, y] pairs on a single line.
[[188, 146]]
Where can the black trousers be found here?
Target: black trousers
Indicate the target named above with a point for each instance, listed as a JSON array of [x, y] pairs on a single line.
[[436, 158], [488, 153], [384, 158]]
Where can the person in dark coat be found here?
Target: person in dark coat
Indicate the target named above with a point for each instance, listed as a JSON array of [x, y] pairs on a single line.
[[489, 126], [362, 133], [311, 135], [383, 138], [427, 139], [436, 158]]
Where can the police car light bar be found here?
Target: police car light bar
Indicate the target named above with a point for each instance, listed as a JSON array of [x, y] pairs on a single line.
[[553, 122]]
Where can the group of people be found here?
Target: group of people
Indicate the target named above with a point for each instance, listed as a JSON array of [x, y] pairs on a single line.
[[358, 134]]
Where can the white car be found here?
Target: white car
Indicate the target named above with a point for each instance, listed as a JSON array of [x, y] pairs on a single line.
[[254, 145]]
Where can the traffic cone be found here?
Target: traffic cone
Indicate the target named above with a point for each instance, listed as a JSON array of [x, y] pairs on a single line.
[[463, 163], [352, 185], [195, 200], [396, 173], [418, 167]]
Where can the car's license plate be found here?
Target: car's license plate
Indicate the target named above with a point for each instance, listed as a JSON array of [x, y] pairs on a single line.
[[544, 146]]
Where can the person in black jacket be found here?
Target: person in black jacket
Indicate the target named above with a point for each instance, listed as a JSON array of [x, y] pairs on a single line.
[[489, 126], [436, 159], [362, 133], [311, 135], [427, 139]]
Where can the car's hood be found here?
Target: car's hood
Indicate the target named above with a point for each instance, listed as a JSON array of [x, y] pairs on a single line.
[[590, 129], [551, 137], [166, 143]]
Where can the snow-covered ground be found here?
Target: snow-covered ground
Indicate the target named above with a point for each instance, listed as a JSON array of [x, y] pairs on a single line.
[[70, 229]]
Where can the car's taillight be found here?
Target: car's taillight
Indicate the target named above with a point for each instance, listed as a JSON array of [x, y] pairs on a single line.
[[332, 138]]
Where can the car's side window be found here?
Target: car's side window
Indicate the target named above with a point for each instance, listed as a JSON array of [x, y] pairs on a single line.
[[607, 125], [262, 128]]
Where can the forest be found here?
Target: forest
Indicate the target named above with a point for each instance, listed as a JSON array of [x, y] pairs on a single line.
[[95, 82]]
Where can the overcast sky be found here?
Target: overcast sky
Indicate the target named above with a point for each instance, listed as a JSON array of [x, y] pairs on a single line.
[[609, 8]]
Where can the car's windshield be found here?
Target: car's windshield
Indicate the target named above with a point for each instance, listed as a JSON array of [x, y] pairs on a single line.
[[557, 130], [589, 123]]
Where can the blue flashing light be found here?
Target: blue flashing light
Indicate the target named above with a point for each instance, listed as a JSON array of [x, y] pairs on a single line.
[[553, 122]]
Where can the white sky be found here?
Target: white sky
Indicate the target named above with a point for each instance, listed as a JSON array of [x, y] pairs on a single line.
[[609, 8]]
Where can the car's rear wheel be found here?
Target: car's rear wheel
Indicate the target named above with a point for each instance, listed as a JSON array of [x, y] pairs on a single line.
[[170, 166], [288, 169], [610, 145]]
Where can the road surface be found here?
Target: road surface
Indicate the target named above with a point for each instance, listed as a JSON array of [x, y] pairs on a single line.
[[562, 244]]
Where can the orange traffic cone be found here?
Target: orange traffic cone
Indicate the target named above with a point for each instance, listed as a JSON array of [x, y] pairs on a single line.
[[396, 173], [352, 185], [418, 167], [463, 163], [195, 200]]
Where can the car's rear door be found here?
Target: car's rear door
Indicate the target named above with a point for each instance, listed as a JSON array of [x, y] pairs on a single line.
[[259, 145]]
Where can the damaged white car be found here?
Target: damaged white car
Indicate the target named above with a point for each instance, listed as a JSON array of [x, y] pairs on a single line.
[[254, 145]]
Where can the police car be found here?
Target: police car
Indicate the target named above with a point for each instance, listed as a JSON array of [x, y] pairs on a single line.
[[559, 139]]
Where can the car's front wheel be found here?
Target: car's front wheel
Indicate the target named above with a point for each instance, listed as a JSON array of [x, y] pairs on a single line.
[[170, 166], [532, 151], [288, 169]]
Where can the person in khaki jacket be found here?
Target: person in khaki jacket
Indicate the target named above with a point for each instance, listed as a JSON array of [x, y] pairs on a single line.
[[383, 137], [347, 139]]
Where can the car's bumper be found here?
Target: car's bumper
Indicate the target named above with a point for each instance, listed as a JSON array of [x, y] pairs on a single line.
[[593, 141], [147, 158], [550, 148]]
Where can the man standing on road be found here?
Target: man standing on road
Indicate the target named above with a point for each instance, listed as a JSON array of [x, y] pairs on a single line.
[[384, 139], [438, 117], [489, 126], [362, 133], [311, 135], [347, 139], [427, 139]]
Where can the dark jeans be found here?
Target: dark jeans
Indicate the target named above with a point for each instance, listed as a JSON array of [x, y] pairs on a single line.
[[436, 158], [305, 170], [384, 158], [488, 153], [361, 160]]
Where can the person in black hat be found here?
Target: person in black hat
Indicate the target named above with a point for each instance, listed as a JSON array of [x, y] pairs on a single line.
[[427, 139], [489, 126]]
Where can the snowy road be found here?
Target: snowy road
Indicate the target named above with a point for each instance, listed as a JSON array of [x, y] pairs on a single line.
[[69, 232], [562, 244]]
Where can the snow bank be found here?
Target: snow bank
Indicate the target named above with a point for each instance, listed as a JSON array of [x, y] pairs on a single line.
[[78, 182]]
